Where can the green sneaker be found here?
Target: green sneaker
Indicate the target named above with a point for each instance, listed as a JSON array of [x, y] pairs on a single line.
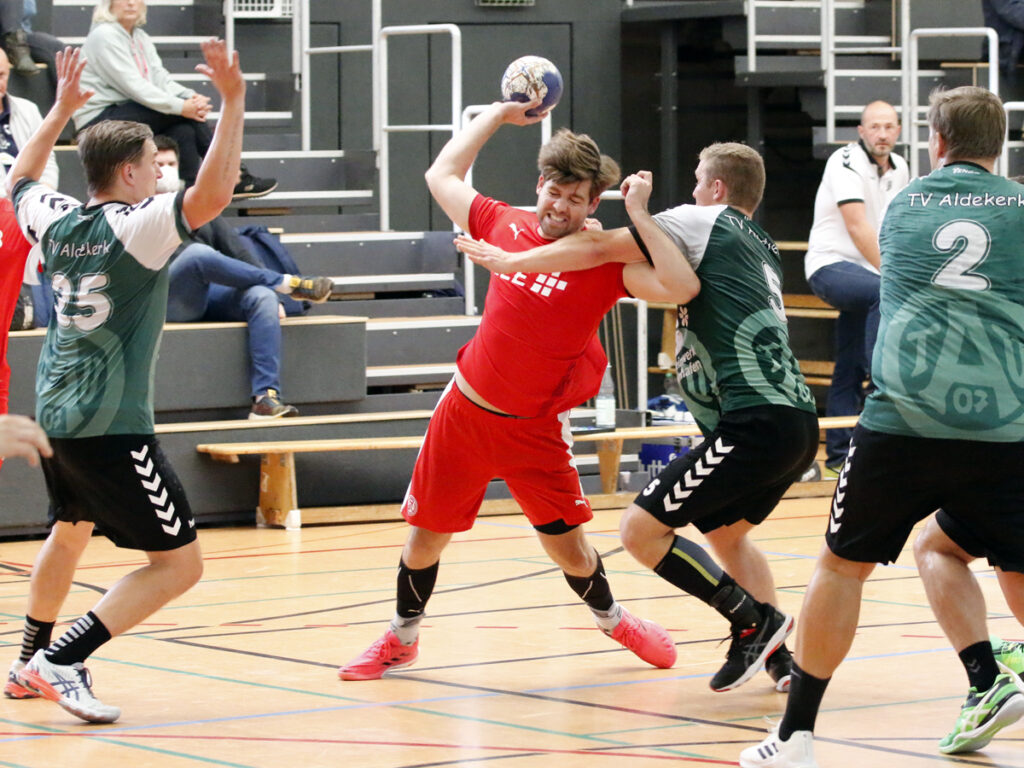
[[1009, 655], [983, 715]]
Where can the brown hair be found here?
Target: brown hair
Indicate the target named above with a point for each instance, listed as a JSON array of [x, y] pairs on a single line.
[[104, 147], [741, 169], [970, 119], [569, 157]]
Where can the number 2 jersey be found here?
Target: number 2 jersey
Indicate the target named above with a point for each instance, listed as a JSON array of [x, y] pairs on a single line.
[[949, 361], [732, 341], [107, 266]]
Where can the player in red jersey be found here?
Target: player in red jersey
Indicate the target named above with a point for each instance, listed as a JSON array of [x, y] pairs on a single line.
[[536, 355], [14, 250]]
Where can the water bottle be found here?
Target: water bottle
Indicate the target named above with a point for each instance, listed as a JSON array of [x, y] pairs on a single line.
[[672, 385], [605, 401]]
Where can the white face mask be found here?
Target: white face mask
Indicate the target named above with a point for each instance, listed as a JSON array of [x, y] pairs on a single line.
[[169, 180]]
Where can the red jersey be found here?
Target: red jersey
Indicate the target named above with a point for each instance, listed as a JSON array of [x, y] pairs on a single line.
[[536, 351], [14, 250]]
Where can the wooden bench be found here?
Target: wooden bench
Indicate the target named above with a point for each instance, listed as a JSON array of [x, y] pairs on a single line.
[[278, 493]]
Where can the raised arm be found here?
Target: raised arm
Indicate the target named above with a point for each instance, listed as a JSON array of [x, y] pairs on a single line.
[[669, 276], [446, 177], [32, 158], [218, 174], [864, 236]]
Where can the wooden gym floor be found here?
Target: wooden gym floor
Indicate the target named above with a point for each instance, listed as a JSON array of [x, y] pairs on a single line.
[[241, 671]]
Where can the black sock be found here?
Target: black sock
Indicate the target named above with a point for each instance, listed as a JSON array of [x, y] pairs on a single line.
[[35, 637], [77, 644], [980, 663], [594, 589], [691, 569], [414, 589], [805, 693]]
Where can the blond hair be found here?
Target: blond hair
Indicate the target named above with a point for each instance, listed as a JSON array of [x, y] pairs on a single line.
[[102, 14], [570, 157], [971, 120], [740, 168]]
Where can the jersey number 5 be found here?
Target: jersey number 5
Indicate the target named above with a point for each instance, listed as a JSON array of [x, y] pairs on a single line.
[[88, 307], [969, 243]]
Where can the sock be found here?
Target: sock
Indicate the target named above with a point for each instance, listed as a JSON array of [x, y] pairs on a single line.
[[35, 637], [596, 592], [77, 644], [287, 283], [414, 590], [691, 569], [980, 663], [805, 693]]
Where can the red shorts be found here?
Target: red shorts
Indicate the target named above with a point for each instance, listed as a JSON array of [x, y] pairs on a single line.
[[467, 446]]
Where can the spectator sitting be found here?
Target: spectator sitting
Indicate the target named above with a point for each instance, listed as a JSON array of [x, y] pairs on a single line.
[[19, 119], [14, 38], [1006, 17], [131, 83], [42, 47], [216, 278]]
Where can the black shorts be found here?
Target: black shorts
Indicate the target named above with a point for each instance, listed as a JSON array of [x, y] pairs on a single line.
[[739, 472], [125, 485], [891, 482]]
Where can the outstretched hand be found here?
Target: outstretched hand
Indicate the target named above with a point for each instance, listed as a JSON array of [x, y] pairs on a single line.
[[636, 190], [486, 255], [20, 436], [70, 94], [222, 68]]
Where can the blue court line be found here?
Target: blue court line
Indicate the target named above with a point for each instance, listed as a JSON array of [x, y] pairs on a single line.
[[12, 765]]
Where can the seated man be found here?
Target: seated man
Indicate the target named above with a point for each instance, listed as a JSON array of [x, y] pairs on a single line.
[[215, 278]]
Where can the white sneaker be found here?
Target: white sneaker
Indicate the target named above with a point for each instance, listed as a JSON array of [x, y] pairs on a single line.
[[797, 752], [69, 686], [12, 688]]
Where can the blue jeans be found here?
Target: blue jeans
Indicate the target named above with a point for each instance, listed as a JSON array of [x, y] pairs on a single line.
[[207, 285], [853, 291]]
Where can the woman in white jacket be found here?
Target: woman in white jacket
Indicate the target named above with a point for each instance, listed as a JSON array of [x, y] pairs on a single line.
[[131, 83]]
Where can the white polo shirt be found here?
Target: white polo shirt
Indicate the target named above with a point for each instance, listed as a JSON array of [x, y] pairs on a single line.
[[851, 176]]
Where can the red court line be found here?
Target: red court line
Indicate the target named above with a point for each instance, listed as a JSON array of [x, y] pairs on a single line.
[[114, 734]]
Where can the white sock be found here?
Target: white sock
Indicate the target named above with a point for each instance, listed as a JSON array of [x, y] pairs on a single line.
[[286, 284], [608, 620], [406, 630]]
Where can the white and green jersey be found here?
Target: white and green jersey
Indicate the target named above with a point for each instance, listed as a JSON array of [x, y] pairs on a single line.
[[949, 361], [732, 341], [107, 267]]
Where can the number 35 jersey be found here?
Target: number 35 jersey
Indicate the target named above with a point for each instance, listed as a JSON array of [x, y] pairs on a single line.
[[107, 267], [732, 341], [949, 361]]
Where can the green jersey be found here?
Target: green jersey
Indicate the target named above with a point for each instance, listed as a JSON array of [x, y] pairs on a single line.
[[949, 361], [107, 267], [732, 341]]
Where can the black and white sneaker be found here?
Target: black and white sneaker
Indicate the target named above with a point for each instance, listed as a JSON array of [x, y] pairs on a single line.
[[779, 667], [750, 647], [252, 186]]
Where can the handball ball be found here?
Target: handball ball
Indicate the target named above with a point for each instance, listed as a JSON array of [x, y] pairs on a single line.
[[532, 77]]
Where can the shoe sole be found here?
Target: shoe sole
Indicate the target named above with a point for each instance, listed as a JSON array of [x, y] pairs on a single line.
[[981, 736], [772, 646], [251, 195], [261, 417], [782, 685], [346, 674], [36, 683], [13, 690]]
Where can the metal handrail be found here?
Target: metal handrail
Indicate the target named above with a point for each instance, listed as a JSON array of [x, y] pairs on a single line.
[[910, 70], [1009, 106], [381, 88], [303, 52]]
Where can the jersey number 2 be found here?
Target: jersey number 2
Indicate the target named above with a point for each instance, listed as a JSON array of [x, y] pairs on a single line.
[[969, 243], [88, 307]]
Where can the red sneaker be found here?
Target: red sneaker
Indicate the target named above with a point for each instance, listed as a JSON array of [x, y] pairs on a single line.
[[384, 655], [646, 639]]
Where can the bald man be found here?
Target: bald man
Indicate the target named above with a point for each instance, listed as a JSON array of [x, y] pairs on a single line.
[[842, 262]]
